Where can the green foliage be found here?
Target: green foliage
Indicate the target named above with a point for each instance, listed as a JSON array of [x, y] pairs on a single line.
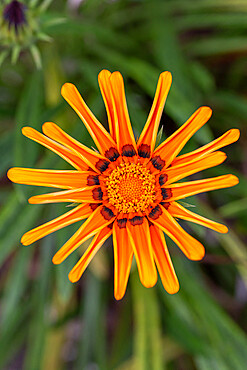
[[48, 322]]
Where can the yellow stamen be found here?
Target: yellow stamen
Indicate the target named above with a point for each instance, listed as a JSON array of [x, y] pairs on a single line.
[[131, 187]]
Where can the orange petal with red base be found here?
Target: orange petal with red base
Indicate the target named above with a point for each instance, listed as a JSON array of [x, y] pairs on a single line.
[[141, 243], [186, 189], [92, 194], [99, 134], [123, 254], [99, 219], [191, 247], [89, 156], [149, 132], [77, 214], [170, 148], [178, 211], [124, 132], [105, 88], [163, 260], [56, 179], [228, 138], [97, 242], [69, 156], [178, 172]]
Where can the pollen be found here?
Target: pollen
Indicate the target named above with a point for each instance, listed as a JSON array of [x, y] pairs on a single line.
[[131, 187]]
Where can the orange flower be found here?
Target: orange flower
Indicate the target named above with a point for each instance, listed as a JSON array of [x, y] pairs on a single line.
[[129, 189]]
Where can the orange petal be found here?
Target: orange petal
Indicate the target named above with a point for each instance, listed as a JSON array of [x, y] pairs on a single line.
[[191, 247], [170, 148], [141, 243], [186, 189], [59, 149], [99, 219], [178, 172], [56, 179], [105, 88], [163, 260], [228, 138], [124, 132], [149, 133], [176, 210], [99, 134], [93, 159], [97, 242], [92, 194], [74, 215], [123, 254]]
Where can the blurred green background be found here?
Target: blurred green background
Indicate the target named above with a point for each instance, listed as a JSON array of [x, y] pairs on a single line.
[[48, 322]]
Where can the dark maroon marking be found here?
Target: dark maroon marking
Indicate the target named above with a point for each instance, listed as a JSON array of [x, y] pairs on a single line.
[[97, 194], [122, 223], [166, 205], [102, 165], [14, 14], [157, 162], [110, 226], [166, 193], [93, 206], [155, 213], [92, 180], [144, 151], [112, 154], [128, 150], [107, 213], [137, 220], [162, 179]]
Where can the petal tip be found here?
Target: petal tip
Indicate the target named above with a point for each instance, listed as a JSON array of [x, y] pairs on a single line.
[[104, 74], [206, 110], [11, 174], [72, 277], [118, 296], [56, 259], [233, 180], [235, 132], [25, 240], [173, 289], [66, 87], [223, 229], [166, 75], [26, 130]]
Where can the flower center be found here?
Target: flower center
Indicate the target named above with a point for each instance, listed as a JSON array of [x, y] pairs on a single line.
[[131, 187]]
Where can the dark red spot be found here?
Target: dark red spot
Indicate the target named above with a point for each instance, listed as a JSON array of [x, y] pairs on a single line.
[[110, 226], [166, 205], [144, 151], [137, 220], [122, 223], [102, 165], [128, 150], [107, 213], [166, 193], [155, 213], [92, 180], [162, 179], [157, 162], [112, 154], [93, 206], [97, 194]]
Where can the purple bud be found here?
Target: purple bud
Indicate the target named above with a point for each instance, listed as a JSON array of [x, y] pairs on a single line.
[[14, 14]]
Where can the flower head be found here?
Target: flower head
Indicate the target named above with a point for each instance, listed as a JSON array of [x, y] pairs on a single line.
[[128, 189]]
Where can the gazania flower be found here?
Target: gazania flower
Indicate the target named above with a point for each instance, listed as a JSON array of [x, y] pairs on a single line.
[[128, 189]]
